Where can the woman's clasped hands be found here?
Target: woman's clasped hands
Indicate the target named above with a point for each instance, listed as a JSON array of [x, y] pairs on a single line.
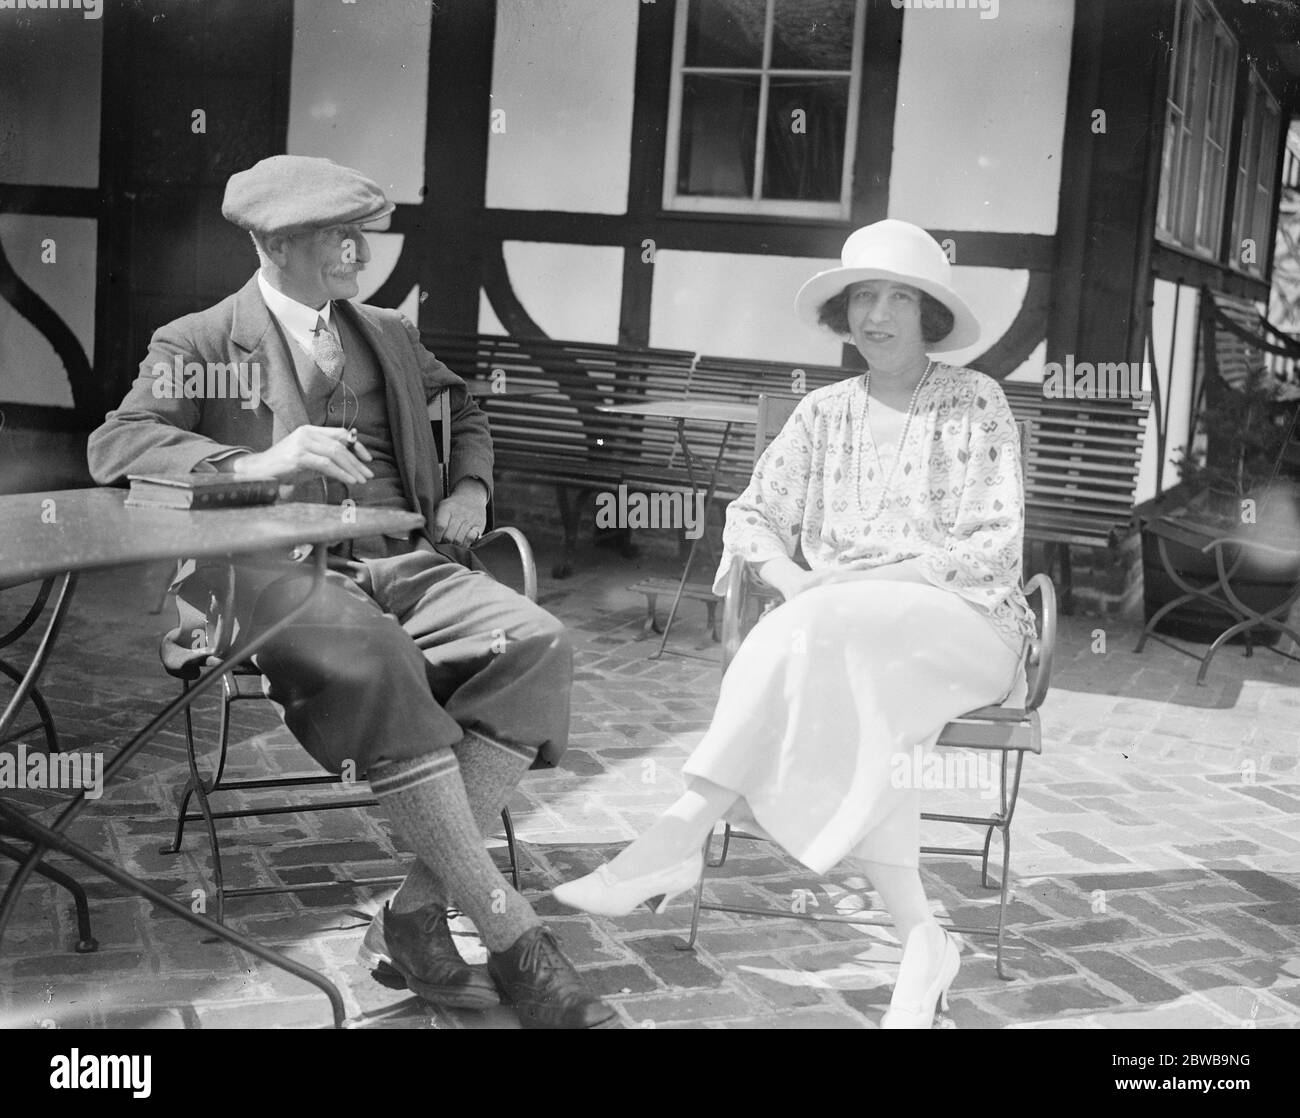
[[791, 580]]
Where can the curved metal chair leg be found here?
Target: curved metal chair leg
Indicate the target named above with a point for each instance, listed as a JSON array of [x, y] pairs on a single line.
[[27, 681], [699, 899], [205, 807], [695, 916], [183, 810], [32, 615], [200, 790], [1002, 902], [726, 846], [46, 720], [984, 859], [86, 941], [513, 850], [228, 692]]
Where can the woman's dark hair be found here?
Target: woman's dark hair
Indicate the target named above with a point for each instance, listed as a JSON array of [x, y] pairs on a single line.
[[936, 319]]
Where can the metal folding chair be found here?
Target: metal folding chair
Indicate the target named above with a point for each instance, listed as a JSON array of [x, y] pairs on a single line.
[[1008, 732], [26, 679], [246, 683]]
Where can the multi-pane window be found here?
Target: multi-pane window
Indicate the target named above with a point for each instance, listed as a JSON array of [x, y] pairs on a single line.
[[1198, 122], [763, 109], [1253, 209]]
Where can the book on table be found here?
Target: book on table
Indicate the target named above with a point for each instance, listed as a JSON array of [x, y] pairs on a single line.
[[200, 491]]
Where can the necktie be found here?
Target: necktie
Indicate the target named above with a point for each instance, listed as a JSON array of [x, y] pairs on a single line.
[[326, 351]]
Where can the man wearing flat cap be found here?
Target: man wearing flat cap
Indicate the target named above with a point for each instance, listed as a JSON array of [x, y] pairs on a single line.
[[438, 683]]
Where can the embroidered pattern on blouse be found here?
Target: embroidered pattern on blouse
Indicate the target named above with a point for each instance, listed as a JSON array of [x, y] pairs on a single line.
[[956, 505]]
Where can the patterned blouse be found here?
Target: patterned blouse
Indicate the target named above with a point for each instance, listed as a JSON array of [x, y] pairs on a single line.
[[955, 505]]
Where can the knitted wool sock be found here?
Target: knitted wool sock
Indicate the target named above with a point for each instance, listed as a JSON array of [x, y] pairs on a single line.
[[490, 771], [426, 801]]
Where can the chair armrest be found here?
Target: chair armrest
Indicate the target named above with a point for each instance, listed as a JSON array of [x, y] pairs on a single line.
[[1268, 548], [525, 550], [732, 608], [1042, 649], [743, 586]]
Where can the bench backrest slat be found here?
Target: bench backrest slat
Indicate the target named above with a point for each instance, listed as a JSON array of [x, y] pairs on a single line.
[[1081, 463]]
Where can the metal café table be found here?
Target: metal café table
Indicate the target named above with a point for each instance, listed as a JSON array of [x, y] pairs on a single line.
[[62, 533], [682, 410], [1230, 552]]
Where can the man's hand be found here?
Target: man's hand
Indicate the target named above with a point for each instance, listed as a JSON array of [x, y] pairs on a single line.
[[332, 451], [460, 517], [905, 570]]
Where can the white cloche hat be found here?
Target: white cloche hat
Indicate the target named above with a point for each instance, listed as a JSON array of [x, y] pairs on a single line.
[[902, 253]]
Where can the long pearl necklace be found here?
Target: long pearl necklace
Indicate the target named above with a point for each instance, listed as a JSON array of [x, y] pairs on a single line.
[[902, 440]]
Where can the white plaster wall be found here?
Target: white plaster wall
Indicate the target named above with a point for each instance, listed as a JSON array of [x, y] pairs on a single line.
[[733, 305], [1030, 371], [359, 86], [562, 73], [30, 371], [1175, 381], [385, 248], [995, 296], [571, 291], [979, 123], [488, 323]]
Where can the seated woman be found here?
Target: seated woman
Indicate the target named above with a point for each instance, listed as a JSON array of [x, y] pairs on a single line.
[[903, 488]]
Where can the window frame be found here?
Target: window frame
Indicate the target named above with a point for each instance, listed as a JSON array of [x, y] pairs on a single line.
[[756, 205], [1188, 218], [1255, 175]]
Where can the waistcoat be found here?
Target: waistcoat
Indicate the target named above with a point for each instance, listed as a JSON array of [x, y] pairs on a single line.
[[356, 399]]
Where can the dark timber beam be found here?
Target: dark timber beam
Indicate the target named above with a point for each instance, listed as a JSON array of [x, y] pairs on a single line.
[[446, 233]]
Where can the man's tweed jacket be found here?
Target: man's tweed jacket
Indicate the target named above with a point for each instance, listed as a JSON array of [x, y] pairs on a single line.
[[149, 434]]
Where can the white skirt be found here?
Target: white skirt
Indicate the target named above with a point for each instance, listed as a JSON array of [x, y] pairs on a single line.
[[828, 695]]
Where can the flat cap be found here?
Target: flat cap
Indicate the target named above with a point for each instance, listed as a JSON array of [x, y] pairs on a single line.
[[301, 191]]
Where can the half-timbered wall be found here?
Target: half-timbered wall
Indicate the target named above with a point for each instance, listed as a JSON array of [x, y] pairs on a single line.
[[584, 98], [524, 142]]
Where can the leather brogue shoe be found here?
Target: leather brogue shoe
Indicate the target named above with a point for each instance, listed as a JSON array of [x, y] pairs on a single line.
[[419, 950], [535, 978]]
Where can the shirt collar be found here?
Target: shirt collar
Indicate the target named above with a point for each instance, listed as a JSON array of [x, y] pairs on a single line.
[[298, 318]]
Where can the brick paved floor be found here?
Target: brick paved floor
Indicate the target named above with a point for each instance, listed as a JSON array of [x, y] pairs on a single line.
[[1155, 868]]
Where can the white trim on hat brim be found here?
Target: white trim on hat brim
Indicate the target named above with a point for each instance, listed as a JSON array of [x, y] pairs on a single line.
[[364, 220], [382, 214], [380, 222], [826, 285]]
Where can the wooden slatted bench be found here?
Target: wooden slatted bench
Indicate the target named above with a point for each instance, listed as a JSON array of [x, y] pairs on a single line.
[[544, 411], [737, 380], [1081, 473], [742, 380]]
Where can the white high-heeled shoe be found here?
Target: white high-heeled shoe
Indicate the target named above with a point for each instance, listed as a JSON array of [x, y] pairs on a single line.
[[603, 894], [918, 1013]]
